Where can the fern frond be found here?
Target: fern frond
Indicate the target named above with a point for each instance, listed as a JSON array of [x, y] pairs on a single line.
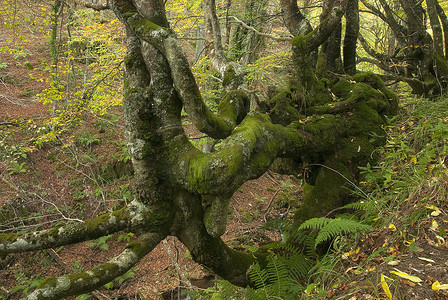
[[337, 227], [315, 223], [298, 266], [279, 279], [259, 276], [356, 206]]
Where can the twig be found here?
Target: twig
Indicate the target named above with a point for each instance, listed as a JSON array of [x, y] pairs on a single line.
[[270, 203], [23, 194], [277, 38], [342, 175], [176, 264]]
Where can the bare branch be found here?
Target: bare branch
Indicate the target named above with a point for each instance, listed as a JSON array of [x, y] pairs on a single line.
[[277, 38]]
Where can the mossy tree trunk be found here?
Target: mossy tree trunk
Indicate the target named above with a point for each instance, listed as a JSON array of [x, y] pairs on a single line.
[[183, 192]]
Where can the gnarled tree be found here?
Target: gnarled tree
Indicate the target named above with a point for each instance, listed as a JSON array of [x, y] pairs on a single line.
[[179, 190]]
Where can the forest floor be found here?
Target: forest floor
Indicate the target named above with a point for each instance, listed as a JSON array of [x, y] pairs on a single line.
[[62, 184]]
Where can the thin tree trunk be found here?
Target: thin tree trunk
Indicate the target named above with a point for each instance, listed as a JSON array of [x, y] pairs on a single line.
[[351, 36]]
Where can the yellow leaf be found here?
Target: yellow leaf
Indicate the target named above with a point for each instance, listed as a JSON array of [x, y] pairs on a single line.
[[414, 160], [385, 287], [434, 225], [392, 227], [435, 286], [406, 276], [436, 211]]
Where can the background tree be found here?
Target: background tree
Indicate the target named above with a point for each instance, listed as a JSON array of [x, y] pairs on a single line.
[[418, 57], [181, 191]]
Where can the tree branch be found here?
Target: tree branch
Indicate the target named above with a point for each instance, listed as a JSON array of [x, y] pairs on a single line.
[[83, 282], [129, 218], [294, 20], [97, 7], [273, 37]]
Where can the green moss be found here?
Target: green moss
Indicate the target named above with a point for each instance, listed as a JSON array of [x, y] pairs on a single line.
[[141, 25], [234, 107], [342, 88], [215, 217], [137, 248], [47, 282], [93, 225], [328, 193], [301, 41], [229, 76], [284, 108], [325, 127], [9, 237]]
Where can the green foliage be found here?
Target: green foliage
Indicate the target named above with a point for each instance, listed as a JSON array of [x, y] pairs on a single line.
[[120, 280], [280, 279], [26, 284], [17, 168], [270, 70], [101, 242], [330, 228], [412, 169], [87, 139], [125, 237]]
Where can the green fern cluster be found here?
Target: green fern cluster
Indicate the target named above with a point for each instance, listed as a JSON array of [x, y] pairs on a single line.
[[330, 228]]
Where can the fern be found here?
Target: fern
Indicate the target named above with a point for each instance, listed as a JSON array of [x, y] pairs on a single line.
[[356, 206], [281, 277], [330, 228], [259, 276]]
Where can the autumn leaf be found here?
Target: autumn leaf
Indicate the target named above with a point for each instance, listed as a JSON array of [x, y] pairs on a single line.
[[436, 286], [385, 287], [406, 276]]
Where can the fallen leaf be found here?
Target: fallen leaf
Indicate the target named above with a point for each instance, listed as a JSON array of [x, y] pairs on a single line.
[[385, 287], [440, 239], [407, 282], [426, 259], [392, 227], [436, 286], [434, 225], [436, 211], [406, 276], [393, 263]]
